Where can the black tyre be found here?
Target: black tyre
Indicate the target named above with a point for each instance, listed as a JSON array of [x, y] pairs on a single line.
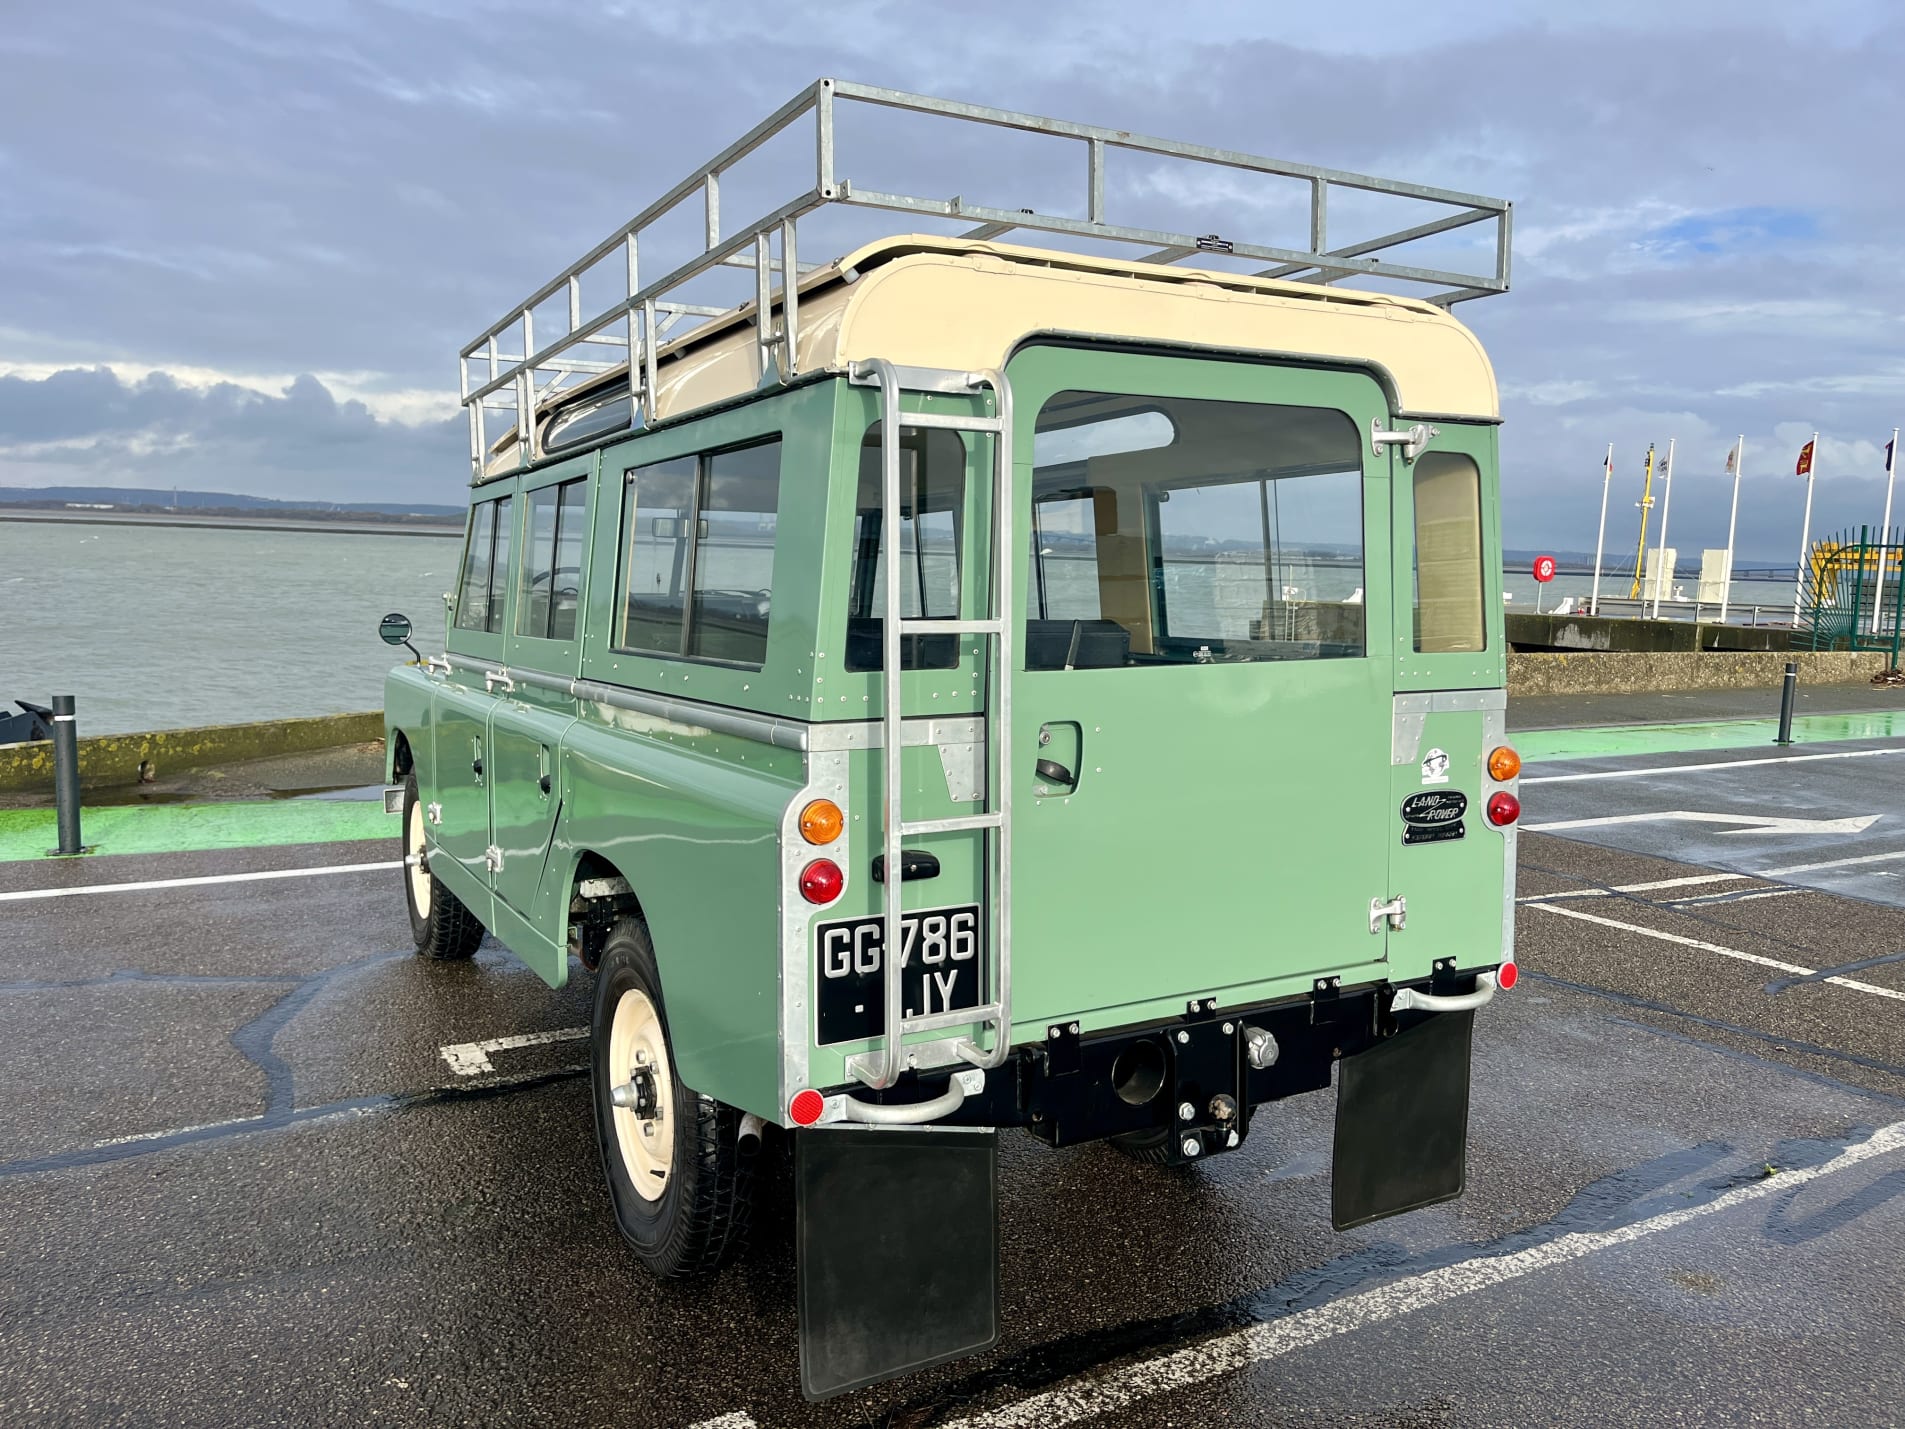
[[1147, 1148], [680, 1185], [443, 928]]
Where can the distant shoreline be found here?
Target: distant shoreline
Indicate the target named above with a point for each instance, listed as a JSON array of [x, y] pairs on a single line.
[[345, 527]]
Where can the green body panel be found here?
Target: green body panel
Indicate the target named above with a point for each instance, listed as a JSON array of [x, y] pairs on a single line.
[[1454, 888]]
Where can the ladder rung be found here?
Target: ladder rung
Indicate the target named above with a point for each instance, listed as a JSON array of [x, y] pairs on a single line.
[[919, 626], [959, 1017], [949, 421], [956, 825]]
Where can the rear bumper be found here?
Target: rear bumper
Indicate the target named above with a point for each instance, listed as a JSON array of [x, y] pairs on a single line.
[[1193, 1079]]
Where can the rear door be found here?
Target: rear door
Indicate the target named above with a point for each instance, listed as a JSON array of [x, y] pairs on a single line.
[[1201, 704], [1447, 861]]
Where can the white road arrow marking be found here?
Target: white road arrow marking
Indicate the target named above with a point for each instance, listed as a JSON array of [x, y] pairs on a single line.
[[1748, 823]]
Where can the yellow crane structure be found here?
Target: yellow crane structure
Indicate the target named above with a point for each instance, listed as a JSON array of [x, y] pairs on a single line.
[[1646, 504]]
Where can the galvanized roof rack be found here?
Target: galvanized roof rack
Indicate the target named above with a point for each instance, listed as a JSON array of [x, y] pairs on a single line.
[[518, 382]]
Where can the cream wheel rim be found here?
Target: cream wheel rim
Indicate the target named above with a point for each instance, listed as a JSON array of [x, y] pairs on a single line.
[[636, 1045], [417, 870]]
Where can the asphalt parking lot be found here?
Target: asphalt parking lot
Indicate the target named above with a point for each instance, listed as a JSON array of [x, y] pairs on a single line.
[[261, 1165]]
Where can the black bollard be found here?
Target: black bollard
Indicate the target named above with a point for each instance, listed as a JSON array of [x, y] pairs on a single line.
[[66, 774], [1787, 691]]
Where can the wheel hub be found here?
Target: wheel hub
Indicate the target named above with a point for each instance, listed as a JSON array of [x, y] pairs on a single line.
[[640, 1106]]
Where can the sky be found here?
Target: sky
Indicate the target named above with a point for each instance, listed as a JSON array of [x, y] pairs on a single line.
[[240, 243]]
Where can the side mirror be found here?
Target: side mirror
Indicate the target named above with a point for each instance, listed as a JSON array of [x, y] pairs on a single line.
[[394, 629]]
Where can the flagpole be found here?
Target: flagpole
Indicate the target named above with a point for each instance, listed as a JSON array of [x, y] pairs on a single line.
[[1600, 541], [1666, 507], [1885, 526], [1732, 523], [1805, 528]]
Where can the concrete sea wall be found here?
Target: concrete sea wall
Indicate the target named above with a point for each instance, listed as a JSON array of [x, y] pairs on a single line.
[[1640, 672], [106, 760]]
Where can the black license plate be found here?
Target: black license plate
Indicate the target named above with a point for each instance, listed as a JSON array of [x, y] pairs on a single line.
[[942, 966]]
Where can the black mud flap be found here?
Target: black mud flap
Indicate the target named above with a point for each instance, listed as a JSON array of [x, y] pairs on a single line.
[[897, 1244], [1402, 1122]]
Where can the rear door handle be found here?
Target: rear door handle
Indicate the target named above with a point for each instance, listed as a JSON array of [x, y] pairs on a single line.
[[1052, 772]]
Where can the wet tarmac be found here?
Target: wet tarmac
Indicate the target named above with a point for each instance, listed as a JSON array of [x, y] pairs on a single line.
[[242, 1182]]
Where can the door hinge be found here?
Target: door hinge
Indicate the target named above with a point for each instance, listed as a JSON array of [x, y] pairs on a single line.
[[1395, 913], [493, 859], [1411, 439]]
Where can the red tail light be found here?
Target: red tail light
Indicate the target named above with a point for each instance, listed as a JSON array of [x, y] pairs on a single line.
[[1506, 976], [1503, 808], [806, 1107], [821, 881]]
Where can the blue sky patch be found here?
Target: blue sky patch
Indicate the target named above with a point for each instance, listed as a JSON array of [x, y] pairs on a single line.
[[1737, 230]]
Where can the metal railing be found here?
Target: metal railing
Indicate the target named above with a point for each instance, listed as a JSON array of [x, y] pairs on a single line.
[[509, 368]]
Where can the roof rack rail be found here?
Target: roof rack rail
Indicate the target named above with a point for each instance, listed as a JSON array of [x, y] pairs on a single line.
[[647, 312]]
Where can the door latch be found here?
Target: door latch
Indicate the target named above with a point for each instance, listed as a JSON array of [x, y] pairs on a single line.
[[493, 859], [1411, 439], [1395, 913]]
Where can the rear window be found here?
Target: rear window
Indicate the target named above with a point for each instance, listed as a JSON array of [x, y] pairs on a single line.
[[1183, 531]]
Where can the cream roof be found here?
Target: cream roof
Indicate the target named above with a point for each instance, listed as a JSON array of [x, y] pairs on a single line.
[[950, 303]]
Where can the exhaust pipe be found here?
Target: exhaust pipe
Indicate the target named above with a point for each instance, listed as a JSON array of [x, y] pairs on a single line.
[[748, 1137]]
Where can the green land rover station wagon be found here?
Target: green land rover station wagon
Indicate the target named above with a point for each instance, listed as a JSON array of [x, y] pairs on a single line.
[[970, 686]]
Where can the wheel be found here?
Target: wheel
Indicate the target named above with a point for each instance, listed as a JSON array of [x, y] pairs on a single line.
[[443, 928], [679, 1182]]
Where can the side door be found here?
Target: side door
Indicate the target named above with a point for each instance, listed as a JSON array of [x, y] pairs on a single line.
[[1201, 705], [459, 816], [543, 653], [1447, 861]]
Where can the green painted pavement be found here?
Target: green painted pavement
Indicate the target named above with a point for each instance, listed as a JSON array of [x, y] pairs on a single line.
[[1599, 741], [178, 828]]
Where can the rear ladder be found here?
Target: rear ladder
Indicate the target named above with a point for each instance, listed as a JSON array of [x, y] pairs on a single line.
[[882, 1066]]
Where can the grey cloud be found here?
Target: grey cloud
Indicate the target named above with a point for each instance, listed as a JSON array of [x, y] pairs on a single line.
[[346, 187]]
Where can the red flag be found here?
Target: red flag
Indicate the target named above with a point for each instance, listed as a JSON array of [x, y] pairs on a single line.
[[1732, 459], [1805, 459]]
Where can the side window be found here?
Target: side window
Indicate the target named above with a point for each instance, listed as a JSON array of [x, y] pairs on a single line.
[[657, 507], [734, 554], [1175, 530], [930, 535], [698, 563], [546, 600], [480, 593], [1449, 589]]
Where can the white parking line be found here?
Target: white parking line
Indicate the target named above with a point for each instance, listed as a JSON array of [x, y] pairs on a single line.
[[1690, 768], [1657, 884], [1774, 963], [1891, 857], [471, 1059], [1226, 1354], [149, 884]]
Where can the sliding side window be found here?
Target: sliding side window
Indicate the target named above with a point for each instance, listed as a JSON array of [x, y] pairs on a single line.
[[698, 555], [480, 593]]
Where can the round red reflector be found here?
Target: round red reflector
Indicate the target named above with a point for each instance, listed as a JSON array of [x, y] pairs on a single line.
[[1506, 976], [821, 881], [806, 1107], [1503, 808]]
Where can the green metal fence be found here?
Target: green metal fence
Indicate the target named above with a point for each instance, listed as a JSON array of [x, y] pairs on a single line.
[[1852, 592]]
